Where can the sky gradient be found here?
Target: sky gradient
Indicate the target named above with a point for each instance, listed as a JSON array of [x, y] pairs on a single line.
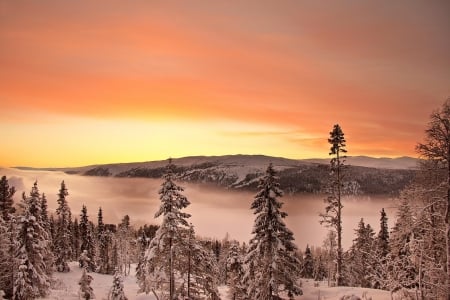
[[86, 82]]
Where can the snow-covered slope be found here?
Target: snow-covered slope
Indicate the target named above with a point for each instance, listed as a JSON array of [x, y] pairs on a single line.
[[66, 288]]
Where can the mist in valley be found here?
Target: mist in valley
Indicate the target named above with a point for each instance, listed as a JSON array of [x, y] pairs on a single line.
[[215, 211]]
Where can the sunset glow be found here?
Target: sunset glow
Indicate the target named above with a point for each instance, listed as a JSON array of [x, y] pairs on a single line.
[[89, 82]]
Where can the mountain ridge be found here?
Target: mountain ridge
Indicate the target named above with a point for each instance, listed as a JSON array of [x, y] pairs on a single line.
[[380, 176]]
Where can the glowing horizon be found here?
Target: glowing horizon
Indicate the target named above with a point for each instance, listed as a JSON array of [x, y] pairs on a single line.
[[89, 83]]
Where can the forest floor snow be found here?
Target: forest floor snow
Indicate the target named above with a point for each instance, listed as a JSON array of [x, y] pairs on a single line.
[[66, 288]]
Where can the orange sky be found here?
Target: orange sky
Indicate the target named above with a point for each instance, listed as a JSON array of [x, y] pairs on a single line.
[[84, 82]]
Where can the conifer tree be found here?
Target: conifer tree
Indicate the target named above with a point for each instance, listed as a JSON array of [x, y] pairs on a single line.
[[7, 236], [308, 264], [383, 235], [361, 256], [6, 265], [199, 270], [164, 247], [143, 242], [235, 266], [76, 243], [272, 267], [402, 270], [87, 241], [32, 278], [104, 244], [124, 235], [6, 199], [116, 292], [333, 211], [63, 247], [86, 292]]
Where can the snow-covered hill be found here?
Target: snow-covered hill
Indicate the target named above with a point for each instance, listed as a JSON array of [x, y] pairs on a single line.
[[367, 175]]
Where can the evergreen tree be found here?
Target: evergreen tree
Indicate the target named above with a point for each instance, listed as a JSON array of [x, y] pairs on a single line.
[[320, 270], [6, 265], [164, 247], [402, 270], [199, 271], [272, 267], [116, 292], [31, 279], [143, 242], [63, 247], [6, 199], [7, 240], [333, 211], [104, 245], [76, 243], [235, 266], [87, 241], [330, 245], [124, 237], [383, 235], [86, 292], [308, 264], [361, 256]]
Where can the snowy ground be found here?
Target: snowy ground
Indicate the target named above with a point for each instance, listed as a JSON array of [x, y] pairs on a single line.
[[67, 288]]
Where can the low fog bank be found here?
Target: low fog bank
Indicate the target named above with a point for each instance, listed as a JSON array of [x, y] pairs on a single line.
[[215, 211]]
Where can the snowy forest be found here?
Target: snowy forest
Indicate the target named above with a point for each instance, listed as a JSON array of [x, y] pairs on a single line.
[[411, 260]]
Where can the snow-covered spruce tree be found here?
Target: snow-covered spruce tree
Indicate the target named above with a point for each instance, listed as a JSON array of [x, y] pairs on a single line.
[[124, 238], [143, 241], [402, 272], [329, 246], [62, 242], [307, 264], [379, 270], [362, 257], [333, 211], [6, 265], [76, 242], [436, 149], [383, 235], [199, 271], [86, 292], [104, 244], [7, 236], [116, 292], [161, 256], [272, 266], [320, 270], [32, 278], [235, 267], [87, 241], [6, 199]]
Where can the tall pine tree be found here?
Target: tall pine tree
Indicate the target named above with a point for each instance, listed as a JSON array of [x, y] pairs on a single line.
[[333, 211], [272, 266]]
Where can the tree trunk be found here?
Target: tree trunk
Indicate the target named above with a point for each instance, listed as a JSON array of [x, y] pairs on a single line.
[[339, 225]]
